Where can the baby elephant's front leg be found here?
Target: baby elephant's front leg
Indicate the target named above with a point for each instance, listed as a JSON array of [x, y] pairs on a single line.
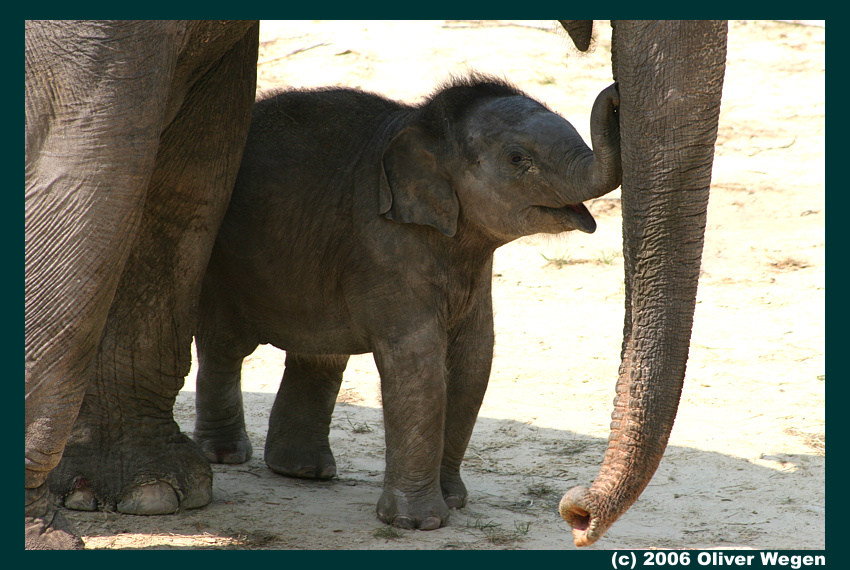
[[297, 443], [414, 400], [470, 356]]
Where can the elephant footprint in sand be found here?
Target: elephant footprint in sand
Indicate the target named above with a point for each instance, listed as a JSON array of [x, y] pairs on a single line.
[[359, 224]]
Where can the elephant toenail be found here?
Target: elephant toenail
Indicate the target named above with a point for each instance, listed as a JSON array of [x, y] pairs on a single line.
[[157, 498], [454, 501], [81, 499], [430, 523], [404, 521]]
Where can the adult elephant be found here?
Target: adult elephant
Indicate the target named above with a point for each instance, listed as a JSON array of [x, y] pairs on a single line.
[[134, 136], [134, 133], [670, 76]]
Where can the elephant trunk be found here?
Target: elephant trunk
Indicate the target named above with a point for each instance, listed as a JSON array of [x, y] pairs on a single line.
[[599, 171], [669, 125], [580, 31]]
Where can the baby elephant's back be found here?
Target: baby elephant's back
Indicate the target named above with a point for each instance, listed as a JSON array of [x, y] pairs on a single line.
[[298, 171], [290, 219], [314, 132]]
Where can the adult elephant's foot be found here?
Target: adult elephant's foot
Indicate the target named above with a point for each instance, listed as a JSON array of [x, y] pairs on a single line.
[[413, 510], [300, 457], [135, 475], [229, 446]]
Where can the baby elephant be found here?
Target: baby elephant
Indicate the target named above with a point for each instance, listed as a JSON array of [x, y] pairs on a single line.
[[360, 224]]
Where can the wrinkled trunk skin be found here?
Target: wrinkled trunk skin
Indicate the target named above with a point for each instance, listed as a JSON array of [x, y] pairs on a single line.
[[606, 170], [670, 76], [598, 171]]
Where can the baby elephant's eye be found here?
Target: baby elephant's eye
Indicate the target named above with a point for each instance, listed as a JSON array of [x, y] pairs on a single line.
[[516, 158]]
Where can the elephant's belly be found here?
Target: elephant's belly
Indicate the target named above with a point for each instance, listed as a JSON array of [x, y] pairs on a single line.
[[315, 333]]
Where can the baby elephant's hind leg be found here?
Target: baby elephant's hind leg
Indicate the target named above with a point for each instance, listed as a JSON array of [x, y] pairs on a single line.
[[297, 443], [219, 416]]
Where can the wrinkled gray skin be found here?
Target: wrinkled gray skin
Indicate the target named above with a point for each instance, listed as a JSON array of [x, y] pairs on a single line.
[[377, 235], [105, 205], [670, 77], [134, 136]]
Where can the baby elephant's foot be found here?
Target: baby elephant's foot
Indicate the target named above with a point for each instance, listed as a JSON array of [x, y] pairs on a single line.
[[227, 447], [307, 460], [454, 491], [428, 512]]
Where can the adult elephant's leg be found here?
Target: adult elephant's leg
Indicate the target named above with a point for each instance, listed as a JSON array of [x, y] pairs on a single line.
[[470, 357], [126, 450], [670, 76], [86, 173], [297, 444]]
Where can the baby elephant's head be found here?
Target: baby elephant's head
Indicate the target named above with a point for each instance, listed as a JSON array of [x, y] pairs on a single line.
[[484, 154]]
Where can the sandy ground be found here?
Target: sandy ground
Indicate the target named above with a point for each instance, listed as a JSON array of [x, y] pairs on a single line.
[[745, 465]]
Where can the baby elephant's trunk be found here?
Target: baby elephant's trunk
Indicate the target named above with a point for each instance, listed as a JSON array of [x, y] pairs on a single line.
[[602, 171]]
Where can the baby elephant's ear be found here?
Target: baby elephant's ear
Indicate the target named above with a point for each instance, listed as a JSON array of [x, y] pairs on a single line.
[[412, 188]]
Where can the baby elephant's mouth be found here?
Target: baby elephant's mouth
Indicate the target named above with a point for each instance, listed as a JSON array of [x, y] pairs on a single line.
[[571, 216]]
